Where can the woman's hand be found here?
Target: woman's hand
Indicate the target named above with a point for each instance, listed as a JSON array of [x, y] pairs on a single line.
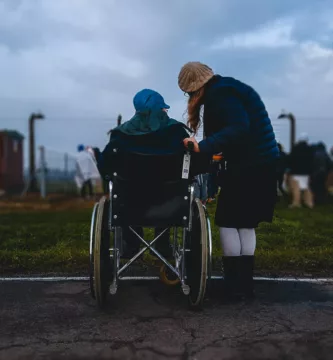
[[195, 143]]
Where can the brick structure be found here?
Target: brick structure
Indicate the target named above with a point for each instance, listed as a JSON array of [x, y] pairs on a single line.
[[11, 161]]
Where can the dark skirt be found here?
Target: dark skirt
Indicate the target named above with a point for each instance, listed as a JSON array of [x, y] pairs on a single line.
[[247, 197]]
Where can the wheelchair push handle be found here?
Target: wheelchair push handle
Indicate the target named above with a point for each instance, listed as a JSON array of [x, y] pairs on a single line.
[[190, 146]]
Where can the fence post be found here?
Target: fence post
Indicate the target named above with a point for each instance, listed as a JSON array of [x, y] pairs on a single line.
[[66, 164], [66, 172], [42, 172]]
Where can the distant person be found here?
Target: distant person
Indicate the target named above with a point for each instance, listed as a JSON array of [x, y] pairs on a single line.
[[86, 172], [91, 151], [300, 165], [281, 169], [321, 170]]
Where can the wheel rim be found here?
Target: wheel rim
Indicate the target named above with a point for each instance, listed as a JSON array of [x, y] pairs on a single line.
[[196, 262], [91, 250]]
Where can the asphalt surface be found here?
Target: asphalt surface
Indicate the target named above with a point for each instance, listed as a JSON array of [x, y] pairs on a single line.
[[151, 321]]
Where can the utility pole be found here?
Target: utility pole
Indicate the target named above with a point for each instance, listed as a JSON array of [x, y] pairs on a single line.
[[32, 171], [42, 172], [292, 120]]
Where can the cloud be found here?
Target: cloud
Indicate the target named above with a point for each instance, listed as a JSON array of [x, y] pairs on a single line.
[[305, 88], [272, 35], [82, 61]]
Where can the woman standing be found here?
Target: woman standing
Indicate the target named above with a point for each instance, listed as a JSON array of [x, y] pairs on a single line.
[[236, 123]]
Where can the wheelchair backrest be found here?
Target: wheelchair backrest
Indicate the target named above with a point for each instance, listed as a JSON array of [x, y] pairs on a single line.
[[150, 190]]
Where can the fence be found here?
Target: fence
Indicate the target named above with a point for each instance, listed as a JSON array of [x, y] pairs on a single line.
[[55, 172]]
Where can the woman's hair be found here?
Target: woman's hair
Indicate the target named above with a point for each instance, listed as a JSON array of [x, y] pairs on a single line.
[[194, 105]]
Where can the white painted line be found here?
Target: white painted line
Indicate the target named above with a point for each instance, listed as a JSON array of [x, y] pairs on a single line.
[[85, 278], [293, 279], [55, 279]]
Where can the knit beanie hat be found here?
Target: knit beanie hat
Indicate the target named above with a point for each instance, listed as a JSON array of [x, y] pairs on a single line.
[[193, 76]]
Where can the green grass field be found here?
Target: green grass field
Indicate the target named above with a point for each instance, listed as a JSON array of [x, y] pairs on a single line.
[[35, 241]]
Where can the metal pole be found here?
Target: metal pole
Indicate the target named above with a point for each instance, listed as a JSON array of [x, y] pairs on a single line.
[[32, 171], [42, 172], [292, 120], [66, 164], [292, 130]]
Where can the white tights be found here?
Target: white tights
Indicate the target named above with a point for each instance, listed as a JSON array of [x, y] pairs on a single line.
[[237, 242]]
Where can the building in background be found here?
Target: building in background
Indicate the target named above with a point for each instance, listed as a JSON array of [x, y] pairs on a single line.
[[11, 161]]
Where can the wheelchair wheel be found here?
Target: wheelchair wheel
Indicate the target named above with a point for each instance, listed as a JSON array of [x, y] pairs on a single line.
[[210, 251], [91, 250], [197, 257], [102, 261]]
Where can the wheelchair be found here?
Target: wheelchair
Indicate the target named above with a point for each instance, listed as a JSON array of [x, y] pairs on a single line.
[[151, 191]]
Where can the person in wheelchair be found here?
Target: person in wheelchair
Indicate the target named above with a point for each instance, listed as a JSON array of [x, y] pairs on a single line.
[[149, 131]]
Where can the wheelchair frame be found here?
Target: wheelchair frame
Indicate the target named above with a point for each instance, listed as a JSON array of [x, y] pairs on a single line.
[[197, 254]]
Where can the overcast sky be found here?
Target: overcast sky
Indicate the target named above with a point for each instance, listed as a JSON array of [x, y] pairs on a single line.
[[81, 61]]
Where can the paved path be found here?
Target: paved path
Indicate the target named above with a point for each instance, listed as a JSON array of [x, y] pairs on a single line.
[[151, 321]]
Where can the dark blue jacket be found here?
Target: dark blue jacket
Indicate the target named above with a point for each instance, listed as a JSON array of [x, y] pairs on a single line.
[[236, 123]]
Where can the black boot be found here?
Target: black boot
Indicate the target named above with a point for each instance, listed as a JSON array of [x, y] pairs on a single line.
[[247, 266], [232, 283]]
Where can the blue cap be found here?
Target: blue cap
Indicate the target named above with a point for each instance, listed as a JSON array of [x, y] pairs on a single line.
[[149, 99], [80, 147]]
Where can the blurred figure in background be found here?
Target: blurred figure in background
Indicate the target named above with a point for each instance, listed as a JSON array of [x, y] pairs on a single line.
[[321, 170], [281, 170], [300, 165], [91, 151], [86, 172]]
